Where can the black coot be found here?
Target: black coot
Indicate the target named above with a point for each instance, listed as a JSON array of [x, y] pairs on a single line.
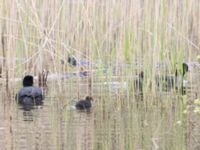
[[168, 82], [29, 95]]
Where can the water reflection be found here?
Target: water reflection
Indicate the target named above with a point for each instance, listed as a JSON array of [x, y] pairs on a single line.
[[28, 115], [28, 111], [81, 129]]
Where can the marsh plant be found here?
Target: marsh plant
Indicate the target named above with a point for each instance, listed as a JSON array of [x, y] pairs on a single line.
[[118, 39]]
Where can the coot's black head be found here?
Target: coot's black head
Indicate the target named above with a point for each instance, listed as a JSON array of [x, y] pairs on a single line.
[[185, 68], [89, 98], [28, 81]]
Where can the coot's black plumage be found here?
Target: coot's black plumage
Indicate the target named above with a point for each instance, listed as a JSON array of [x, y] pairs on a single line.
[[138, 83], [168, 82], [29, 95], [72, 61], [84, 104]]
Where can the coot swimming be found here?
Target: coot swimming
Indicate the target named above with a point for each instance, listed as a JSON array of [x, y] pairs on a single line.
[[29, 95], [84, 104]]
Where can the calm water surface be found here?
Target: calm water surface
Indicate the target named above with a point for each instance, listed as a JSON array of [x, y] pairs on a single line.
[[119, 120]]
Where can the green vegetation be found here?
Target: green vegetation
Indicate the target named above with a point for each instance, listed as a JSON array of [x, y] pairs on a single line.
[[120, 38]]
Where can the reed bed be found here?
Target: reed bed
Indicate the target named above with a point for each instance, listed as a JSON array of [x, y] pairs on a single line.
[[113, 33], [120, 38]]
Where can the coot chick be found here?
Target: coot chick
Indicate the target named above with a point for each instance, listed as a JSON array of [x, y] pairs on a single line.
[[84, 104], [29, 95]]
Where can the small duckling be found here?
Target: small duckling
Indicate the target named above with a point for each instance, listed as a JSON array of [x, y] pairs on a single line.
[[84, 104]]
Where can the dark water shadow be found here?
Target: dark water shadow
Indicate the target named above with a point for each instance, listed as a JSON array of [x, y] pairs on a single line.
[[28, 111]]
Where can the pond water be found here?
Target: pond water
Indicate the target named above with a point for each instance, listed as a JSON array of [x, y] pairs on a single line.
[[118, 120]]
